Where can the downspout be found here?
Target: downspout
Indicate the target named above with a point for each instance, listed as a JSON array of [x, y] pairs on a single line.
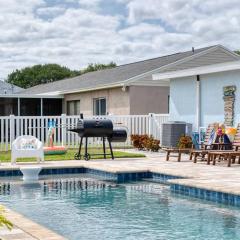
[[198, 103], [19, 107], [41, 107]]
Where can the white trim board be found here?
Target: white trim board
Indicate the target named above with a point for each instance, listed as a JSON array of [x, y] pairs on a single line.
[[16, 95], [220, 67]]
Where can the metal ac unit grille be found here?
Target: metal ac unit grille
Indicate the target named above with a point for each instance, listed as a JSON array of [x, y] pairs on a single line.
[[171, 132]]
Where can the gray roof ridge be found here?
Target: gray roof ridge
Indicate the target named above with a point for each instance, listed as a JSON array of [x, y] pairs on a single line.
[[168, 55]]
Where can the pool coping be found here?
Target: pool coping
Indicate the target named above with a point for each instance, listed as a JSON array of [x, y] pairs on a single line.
[[26, 229]]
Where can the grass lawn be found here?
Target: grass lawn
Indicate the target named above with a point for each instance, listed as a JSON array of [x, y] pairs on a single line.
[[6, 156]]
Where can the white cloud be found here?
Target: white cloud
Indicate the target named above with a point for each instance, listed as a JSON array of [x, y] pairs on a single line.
[[142, 30], [18, 6], [50, 11], [89, 3], [77, 32], [182, 14], [205, 21]]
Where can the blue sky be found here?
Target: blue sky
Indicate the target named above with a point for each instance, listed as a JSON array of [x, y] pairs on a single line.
[[74, 33]]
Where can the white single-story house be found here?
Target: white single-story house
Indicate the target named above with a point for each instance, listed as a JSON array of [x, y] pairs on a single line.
[[200, 86], [204, 88], [123, 90]]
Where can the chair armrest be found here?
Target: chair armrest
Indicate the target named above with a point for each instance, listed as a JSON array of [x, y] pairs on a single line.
[[39, 145], [14, 146]]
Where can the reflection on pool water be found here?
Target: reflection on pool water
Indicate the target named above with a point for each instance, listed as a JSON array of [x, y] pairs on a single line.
[[83, 207]]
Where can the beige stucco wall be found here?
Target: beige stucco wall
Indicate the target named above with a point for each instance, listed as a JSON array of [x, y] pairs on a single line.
[[148, 99], [117, 101]]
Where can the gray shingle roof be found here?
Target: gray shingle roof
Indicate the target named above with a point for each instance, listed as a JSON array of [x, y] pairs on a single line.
[[6, 88], [109, 76]]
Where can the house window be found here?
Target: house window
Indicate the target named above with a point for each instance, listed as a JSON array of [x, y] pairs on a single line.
[[99, 106], [73, 107]]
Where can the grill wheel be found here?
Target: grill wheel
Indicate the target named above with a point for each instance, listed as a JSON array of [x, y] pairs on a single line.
[[77, 156], [87, 157]]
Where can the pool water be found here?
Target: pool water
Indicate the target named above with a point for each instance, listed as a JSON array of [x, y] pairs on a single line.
[[87, 208]]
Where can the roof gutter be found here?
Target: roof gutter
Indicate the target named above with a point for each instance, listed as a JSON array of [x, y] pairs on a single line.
[[120, 84], [16, 95]]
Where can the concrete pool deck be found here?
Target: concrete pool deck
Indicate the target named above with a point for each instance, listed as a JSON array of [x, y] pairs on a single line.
[[218, 178]]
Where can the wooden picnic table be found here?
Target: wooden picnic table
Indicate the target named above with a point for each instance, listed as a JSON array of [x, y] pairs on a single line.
[[195, 153], [230, 156], [179, 152]]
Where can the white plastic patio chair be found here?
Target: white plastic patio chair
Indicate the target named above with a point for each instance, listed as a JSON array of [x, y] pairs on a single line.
[[27, 146]]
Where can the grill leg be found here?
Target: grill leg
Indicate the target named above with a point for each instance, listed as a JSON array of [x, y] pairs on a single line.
[[80, 147], [86, 151], [104, 148], [77, 156], [110, 145]]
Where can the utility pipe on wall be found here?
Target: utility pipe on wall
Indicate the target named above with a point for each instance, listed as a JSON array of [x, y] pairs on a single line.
[[198, 103], [41, 107], [18, 107]]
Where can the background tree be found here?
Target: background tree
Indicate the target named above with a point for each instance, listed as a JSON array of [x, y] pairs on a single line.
[[237, 52], [39, 74], [98, 66]]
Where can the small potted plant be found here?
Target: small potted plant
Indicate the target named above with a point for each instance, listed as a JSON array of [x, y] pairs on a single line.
[[185, 142]]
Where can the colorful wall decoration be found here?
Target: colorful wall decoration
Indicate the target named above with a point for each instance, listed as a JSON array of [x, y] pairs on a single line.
[[229, 100]]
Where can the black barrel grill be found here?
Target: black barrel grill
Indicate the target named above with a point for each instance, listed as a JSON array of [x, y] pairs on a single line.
[[97, 127]]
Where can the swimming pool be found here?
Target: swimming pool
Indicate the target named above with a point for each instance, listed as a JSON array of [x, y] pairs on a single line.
[[83, 207]]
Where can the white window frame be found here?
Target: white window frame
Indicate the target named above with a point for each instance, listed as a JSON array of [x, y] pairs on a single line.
[[99, 106], [75, 103]]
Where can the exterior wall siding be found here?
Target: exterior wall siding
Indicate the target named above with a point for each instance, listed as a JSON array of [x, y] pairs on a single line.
[[117, 101], [212, 104], [183, 97], [147, 99]]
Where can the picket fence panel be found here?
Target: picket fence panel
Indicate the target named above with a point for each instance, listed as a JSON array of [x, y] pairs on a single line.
[[13, 126]]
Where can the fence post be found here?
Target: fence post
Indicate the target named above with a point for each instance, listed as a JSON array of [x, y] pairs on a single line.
[[12, 130], [64, 128], [150, 123]]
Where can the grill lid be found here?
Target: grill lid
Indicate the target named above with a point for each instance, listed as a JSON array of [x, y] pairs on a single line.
[[94, 127]]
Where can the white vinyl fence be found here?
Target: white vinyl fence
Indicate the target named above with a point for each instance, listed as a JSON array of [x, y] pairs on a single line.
[[13, 126]]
